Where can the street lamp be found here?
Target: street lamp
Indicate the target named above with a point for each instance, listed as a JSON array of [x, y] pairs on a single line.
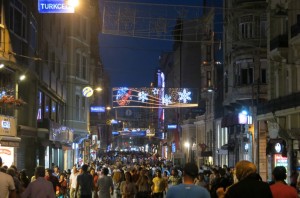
[[187, 145]]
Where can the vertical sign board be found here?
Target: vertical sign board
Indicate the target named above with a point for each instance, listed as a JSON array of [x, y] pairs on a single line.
[[86, 147], [7, 126], [54, 6]]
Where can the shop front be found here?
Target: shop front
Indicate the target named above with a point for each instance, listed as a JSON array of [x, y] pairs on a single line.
[[8, 140]]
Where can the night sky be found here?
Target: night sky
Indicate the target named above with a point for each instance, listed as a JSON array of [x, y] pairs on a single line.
[[132, 61]]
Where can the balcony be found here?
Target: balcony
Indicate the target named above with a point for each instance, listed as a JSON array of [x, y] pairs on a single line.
[[295, 30], [281, 103], [280, 41]]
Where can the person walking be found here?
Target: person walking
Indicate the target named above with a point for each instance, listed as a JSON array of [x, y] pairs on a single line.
[[105, 185], [280, 189], [158, 185], [73, 181], [7, 186], [188, 188], [249, 183], [128, 188], [85, 181], [40, 187]]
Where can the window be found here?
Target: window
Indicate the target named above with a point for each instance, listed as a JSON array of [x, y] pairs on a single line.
[[263, 76], [53, 111], [33, 33], [83, 117], [84, 28], [208, 53], [1, 25], [40, 106], [244, 72], [208, 78], [77, 65], [77, 107], [17, 16], [251, 27], [84, 67], [58, 69], [52, 64]]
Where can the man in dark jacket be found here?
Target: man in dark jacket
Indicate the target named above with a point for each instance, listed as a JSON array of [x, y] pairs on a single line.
[[249, 183]]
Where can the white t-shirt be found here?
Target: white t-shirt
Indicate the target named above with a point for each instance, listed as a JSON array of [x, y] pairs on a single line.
[[6, 184], [73, 180]]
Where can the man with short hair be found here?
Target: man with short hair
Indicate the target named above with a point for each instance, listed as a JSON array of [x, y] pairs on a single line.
[[73, 181], [7, 186], [39, 188], [86, 183], [105, 184], [280, 189], [188, 188]]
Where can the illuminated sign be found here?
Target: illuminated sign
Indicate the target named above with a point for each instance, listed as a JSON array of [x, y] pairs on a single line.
[[97, 109], [87, 92], [7, 126], [54, 6], [154, 97], [172, 126], [279, 160]]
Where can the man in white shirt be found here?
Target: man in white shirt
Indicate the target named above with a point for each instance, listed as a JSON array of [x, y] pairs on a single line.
[[7, 185], [73, 181], [39, 187]]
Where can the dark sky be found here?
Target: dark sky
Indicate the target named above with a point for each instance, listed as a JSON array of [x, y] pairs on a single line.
[[132, 61]]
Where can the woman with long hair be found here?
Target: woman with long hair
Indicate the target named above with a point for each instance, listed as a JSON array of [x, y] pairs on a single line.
[[128, 188]]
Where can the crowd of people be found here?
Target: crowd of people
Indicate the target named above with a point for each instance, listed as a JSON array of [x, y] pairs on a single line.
[[134, 180]]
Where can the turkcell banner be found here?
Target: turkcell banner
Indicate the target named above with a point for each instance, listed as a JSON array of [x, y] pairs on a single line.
[[54, 6], [154, 97]]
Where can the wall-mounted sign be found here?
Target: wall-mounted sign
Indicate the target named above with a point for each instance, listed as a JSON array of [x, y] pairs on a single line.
[[172, 126], [54, 6], [7, 126], [97, 109], [87, 92]]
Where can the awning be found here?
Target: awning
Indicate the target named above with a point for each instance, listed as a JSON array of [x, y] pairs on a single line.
[[230, 120], [27, 131], [10, 141]]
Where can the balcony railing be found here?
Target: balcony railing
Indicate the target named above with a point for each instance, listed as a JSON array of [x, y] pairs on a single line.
[[295, 30], [280, 41], [285, 102]]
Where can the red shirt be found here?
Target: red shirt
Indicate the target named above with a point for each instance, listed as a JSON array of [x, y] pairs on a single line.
[[280, 190]]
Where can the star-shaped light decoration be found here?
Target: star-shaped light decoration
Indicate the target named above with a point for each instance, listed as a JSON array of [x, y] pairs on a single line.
[[142, 96], [155, 91], [166, 100], [184, 96]]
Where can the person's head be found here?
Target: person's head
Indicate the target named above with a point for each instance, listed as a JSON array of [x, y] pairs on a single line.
[[279, 173], [104, 171], [174, 171], [128, 176], [11, 172], [243, 169], [62, 176], [84, 168], [56, 169], [190, 170], [158, 172], [40, 171], [48, 172], [92, 171]]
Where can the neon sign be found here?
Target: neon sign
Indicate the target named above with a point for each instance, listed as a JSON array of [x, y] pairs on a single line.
[[54, 6]]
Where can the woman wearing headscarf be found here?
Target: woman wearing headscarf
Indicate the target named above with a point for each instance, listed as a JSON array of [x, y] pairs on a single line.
[[249, 183]]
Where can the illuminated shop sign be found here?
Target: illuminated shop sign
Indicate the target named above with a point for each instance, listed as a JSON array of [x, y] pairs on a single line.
[[60, 133], [172, 126], [154, 97], [54, 6], [97, 109], [7, 126]]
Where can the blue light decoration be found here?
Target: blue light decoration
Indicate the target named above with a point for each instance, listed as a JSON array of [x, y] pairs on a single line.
[[154, 97], [54, 6]]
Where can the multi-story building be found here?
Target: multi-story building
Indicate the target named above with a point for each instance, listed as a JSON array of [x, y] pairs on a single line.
[[245, 76], [279, 116], [58, 56]]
